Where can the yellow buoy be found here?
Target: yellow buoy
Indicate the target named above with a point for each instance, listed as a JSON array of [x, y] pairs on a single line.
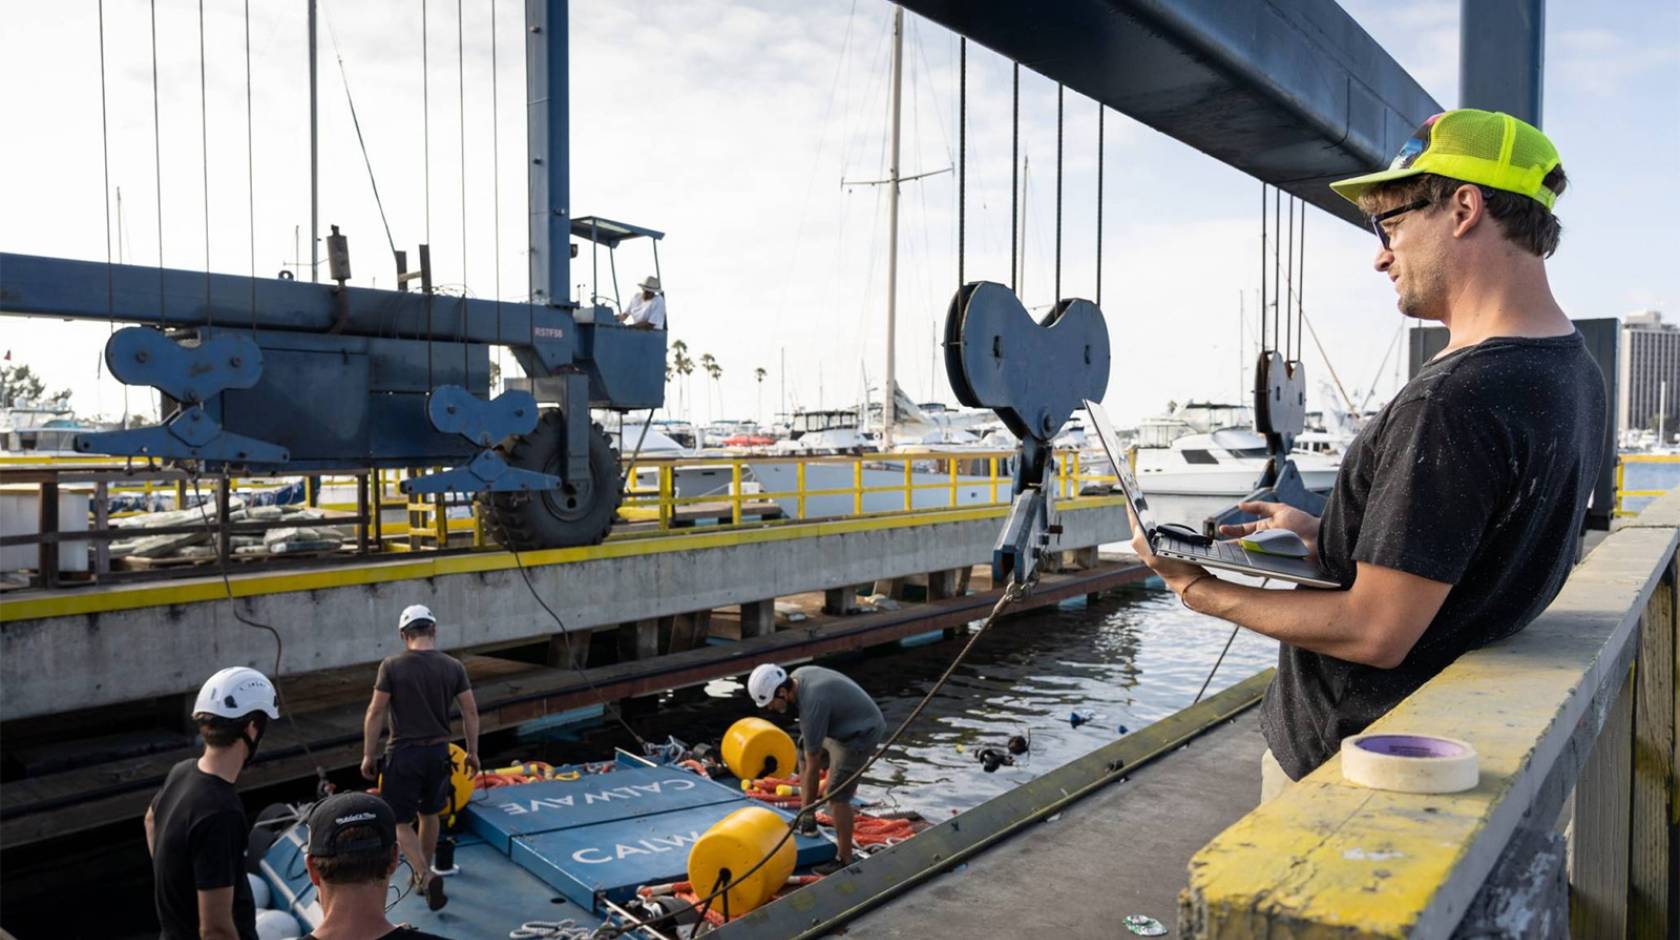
[[753, 748], [729, 849], [461, 784]]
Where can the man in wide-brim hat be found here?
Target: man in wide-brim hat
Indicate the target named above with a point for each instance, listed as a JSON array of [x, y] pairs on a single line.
[[646, 311]]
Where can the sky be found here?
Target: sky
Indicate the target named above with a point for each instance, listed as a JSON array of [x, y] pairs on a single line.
[[746, 132]]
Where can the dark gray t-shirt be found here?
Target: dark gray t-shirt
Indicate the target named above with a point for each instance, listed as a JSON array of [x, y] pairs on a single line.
[[423, 685], [1477, 474], [833, 706]]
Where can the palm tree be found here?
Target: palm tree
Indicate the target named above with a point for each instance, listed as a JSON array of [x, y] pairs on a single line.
[[716, 372], [706, 363], [758, 375], [681, 365]]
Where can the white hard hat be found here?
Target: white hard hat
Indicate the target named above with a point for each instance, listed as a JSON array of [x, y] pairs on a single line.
[[236, 692], [413, 613], [766, 678]]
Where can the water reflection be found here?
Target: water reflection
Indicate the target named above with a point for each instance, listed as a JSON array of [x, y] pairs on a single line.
[[1131, 659]]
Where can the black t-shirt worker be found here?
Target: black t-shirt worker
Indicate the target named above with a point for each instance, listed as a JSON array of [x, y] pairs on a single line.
[[416, 688], [195, 826], [1454, 518]]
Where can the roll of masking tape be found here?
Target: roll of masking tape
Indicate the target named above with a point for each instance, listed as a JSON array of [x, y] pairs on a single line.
[[1409, 763]]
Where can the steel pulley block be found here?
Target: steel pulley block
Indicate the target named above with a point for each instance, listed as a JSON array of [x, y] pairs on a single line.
[[1034, 374], [143, 355], [1280, 397], [454, 410]]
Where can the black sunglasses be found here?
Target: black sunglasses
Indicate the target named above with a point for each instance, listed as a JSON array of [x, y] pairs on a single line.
[[1381, 217]]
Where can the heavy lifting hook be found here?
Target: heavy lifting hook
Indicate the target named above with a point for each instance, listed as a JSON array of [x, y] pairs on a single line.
[[1033, 375]]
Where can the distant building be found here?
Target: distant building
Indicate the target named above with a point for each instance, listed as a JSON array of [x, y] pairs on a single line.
[[1650, 356]]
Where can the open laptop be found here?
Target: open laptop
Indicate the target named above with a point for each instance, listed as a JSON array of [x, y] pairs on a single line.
[[1185, 544]]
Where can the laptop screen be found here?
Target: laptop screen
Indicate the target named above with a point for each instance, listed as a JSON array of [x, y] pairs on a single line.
[[1122, 468]]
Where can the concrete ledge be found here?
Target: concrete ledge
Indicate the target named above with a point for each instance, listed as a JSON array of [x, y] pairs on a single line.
[[169, 643], [1328, 858]]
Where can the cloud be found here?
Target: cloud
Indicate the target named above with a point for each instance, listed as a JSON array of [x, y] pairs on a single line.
[[1604, 63]]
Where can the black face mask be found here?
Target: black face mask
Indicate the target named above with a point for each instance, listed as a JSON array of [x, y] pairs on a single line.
[[261, 721]]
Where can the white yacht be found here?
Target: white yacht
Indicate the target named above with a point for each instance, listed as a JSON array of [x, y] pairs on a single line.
[[1226, 462]]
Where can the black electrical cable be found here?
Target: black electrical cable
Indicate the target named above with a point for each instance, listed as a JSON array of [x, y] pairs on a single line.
[[1216, 663], [637, 453], [1012, 592], [233, 604], [565, 637], [1227, 649], [355, 121]]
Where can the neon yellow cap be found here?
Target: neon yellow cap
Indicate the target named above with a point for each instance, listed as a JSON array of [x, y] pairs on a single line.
[[1490, 148]]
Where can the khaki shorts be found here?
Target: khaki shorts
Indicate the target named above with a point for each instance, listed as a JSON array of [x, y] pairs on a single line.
[[843, 762], [1272, 778]]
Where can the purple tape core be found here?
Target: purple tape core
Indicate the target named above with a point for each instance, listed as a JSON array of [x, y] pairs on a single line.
[[1410, 745]]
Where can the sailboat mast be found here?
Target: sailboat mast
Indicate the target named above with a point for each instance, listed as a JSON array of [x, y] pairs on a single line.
[[314, 163], [1021, 259], [892, 231]]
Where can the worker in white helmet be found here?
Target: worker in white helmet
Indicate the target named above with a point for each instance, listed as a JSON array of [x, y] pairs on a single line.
[[839, 727], [196, 828], [416, 688]]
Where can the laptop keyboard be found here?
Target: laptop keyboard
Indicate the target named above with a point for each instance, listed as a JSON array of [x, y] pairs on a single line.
[[1223, 551]]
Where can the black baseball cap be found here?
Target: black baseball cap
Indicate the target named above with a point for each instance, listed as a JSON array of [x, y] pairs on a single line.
[[342, 811]]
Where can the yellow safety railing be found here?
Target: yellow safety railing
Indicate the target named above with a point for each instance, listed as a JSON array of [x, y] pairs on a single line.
[[1623, 494], [652, 493], [652, 503]]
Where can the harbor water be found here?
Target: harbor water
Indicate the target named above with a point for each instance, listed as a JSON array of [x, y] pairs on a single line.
[[1129, 659]]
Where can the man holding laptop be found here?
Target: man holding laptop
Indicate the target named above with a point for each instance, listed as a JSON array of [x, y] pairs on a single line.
[[1453, 521]]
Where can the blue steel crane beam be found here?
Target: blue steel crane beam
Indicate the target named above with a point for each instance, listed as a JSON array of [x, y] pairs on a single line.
[[1293, 92], [31, 285]]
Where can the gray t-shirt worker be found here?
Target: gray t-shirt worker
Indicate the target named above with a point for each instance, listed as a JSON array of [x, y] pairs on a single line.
[[839, 724]]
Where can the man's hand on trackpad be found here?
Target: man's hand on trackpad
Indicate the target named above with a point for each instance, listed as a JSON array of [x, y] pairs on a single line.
[[1276, 516]]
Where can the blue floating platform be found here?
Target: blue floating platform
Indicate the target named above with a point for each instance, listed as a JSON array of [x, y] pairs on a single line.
[[506, 813], [554, 849], [611, 860]]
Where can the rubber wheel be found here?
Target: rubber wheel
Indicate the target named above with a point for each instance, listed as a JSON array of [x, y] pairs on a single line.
[[262, 838], [570, 515]]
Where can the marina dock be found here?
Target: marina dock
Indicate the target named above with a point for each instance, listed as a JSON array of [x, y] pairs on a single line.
[[728, 598]]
